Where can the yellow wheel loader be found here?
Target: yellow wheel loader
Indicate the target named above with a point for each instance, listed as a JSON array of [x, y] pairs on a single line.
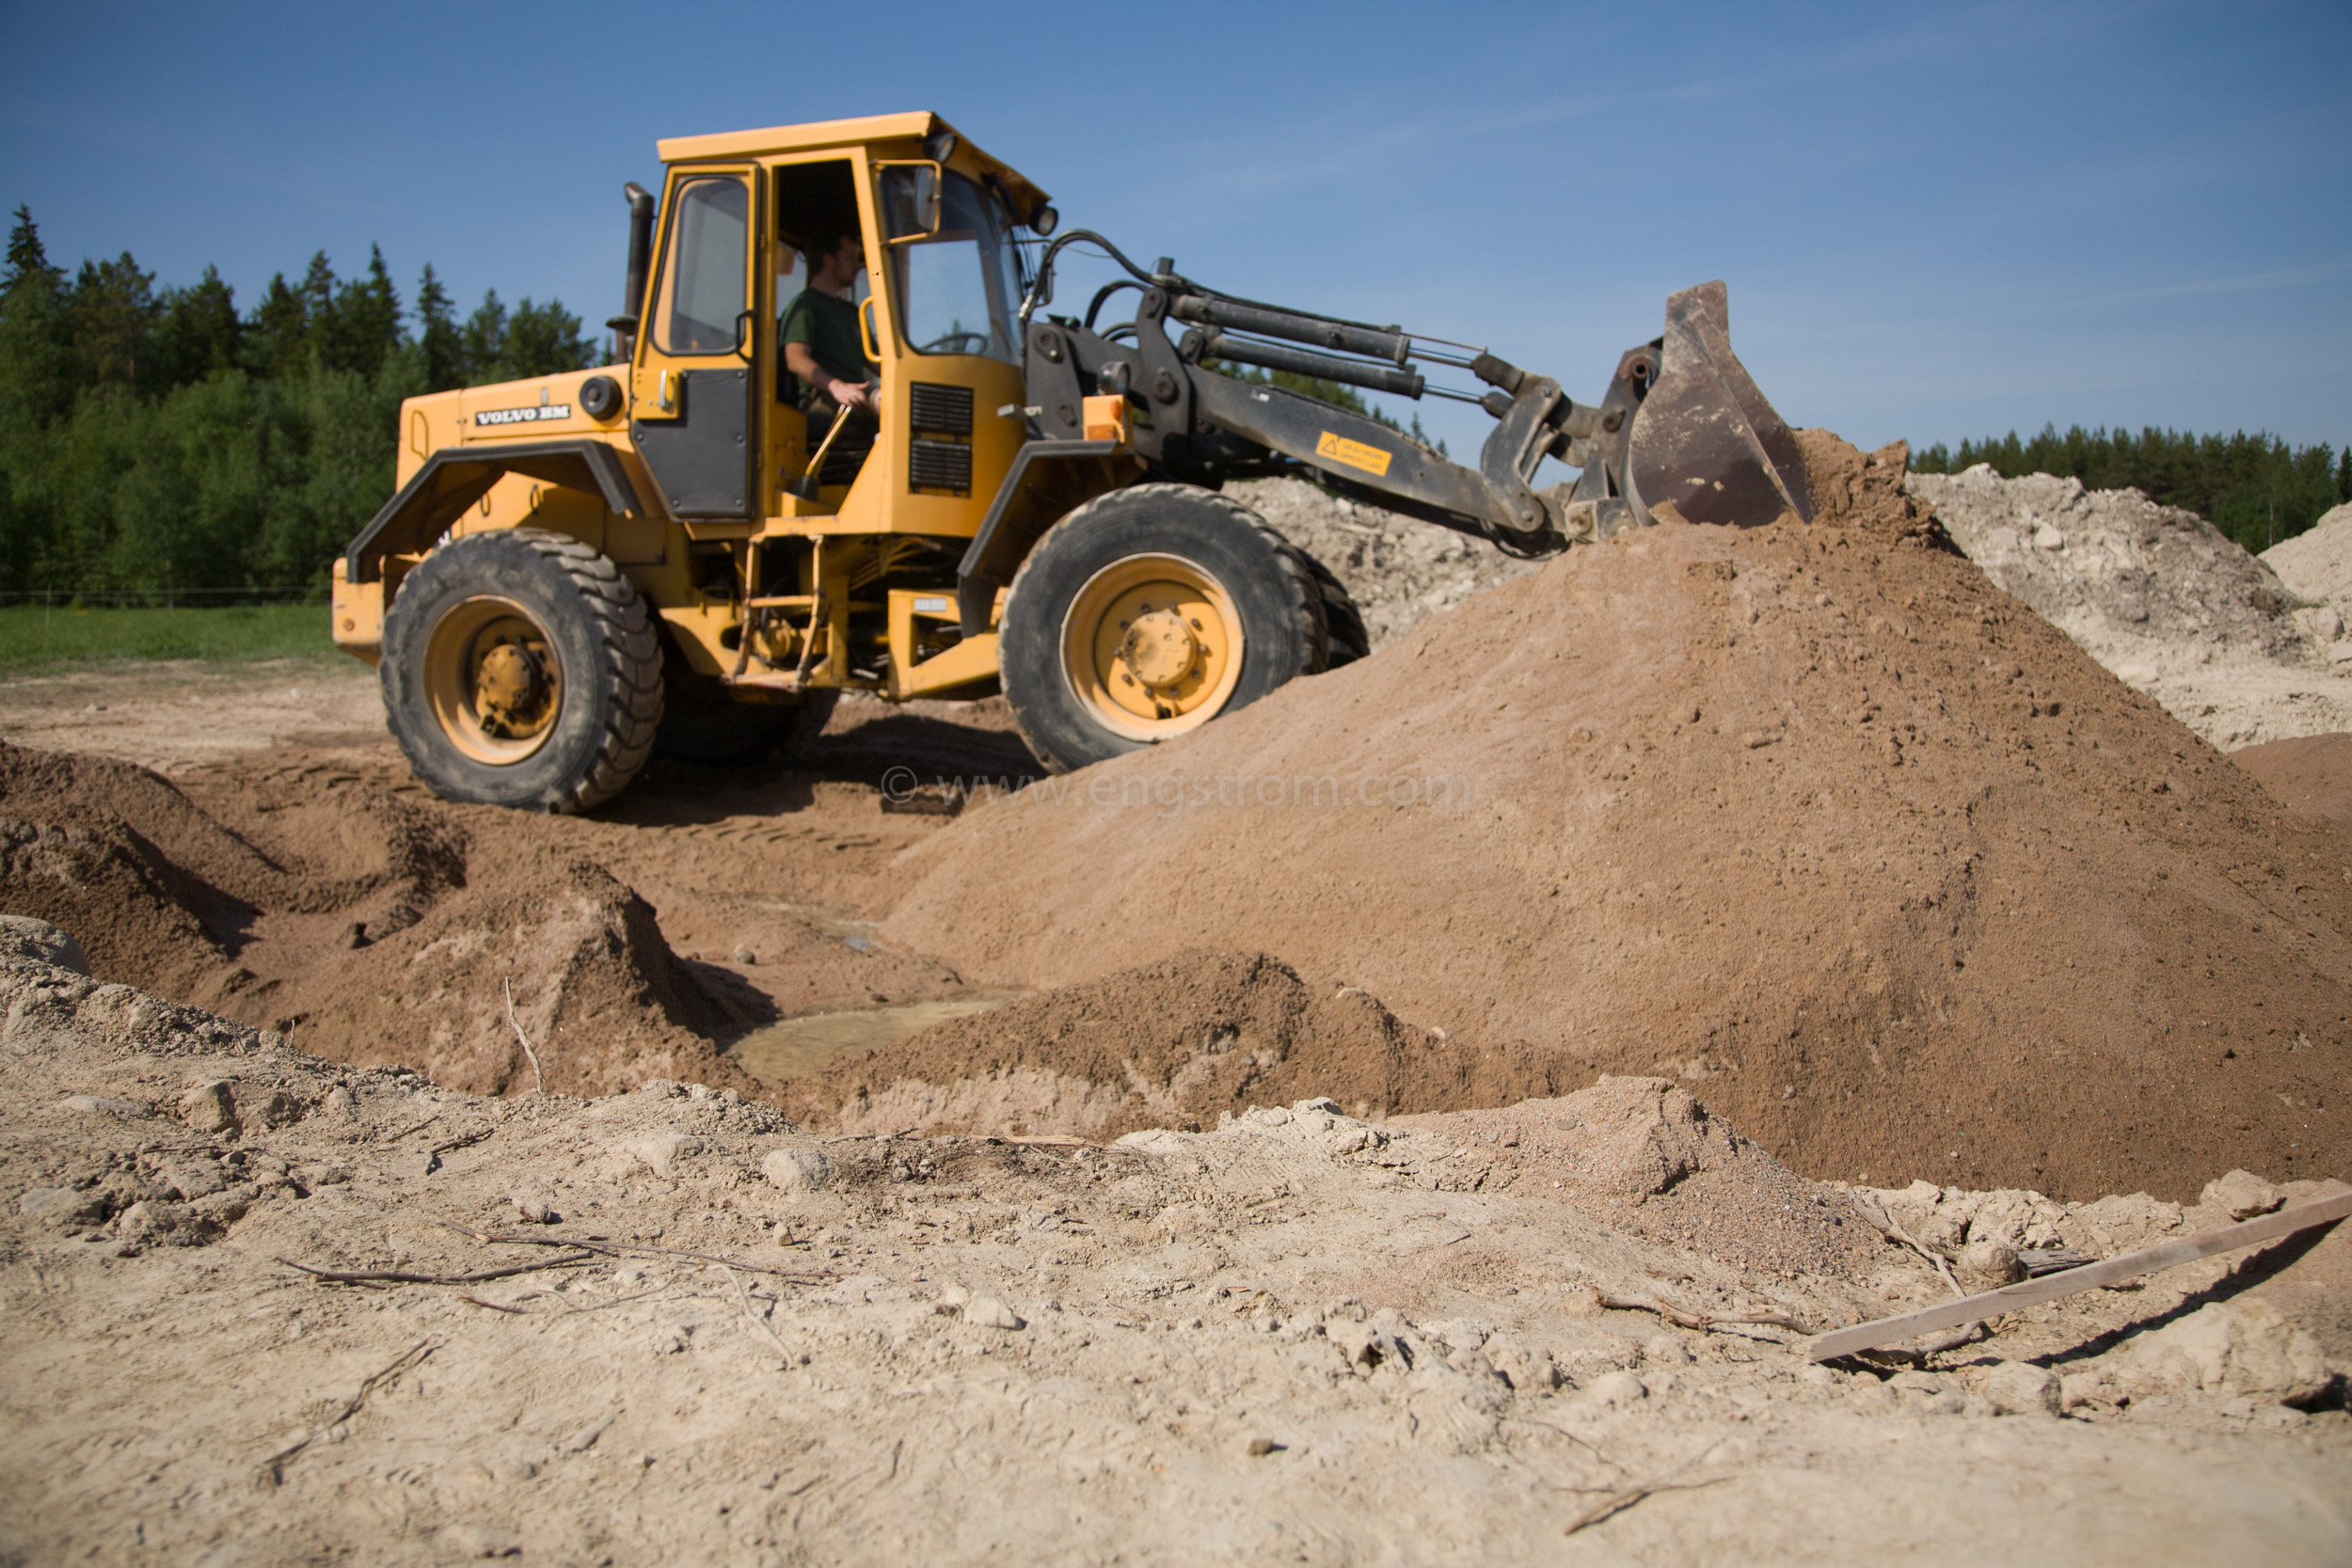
[[685, 550]]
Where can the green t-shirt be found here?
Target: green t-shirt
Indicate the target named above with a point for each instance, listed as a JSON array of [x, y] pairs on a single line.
[[827, 326]]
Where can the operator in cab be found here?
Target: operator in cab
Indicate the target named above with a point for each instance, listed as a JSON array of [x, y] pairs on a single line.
[[825, 351]]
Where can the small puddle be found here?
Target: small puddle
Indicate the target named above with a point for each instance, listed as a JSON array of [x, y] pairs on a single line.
[[801, 1045]]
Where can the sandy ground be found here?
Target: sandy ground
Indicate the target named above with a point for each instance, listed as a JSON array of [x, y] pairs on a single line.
[[1300, 1339], [171, 716]]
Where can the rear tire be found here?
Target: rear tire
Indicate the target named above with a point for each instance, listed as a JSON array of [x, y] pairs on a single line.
[[1146, 614], [520, 669]]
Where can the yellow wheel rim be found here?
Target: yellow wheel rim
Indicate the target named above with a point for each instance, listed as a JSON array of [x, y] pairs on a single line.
[[1152, 646], [493, 679]]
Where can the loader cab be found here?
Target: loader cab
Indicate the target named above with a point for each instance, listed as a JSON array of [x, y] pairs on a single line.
[[715, 413]]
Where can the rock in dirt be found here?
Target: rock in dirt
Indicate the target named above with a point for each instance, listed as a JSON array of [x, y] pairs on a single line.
[[1988, 1265], [663, 1153], [2021, 1388], [1982, 915], [1617, 1388], [2241, 1195], [796, 1168], [2241, 1347], [988, 1312], [210, 1107], [22, 937]]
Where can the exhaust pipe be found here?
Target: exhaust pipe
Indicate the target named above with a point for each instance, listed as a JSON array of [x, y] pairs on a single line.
[[624, 326]]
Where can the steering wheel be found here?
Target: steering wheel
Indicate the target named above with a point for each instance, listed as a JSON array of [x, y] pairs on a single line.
[[956, 343]]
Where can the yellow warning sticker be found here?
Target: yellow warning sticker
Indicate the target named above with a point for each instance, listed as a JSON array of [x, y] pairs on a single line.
[[1356, 454]]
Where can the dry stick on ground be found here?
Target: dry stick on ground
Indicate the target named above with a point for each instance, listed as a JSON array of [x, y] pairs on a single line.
[[538, 1079], [1886, 1226], [418, 1128], [1617, 1502], [385, 1276], [493, 1305], [566, 1310], [1701, 1321], [620, 1250], [274, 1468], [757, 1322]]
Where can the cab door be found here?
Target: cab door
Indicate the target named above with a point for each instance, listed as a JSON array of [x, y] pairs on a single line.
[[695, 378]]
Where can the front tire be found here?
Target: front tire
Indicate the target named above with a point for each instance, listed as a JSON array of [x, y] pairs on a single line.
[[520, 669], [1146, 614]]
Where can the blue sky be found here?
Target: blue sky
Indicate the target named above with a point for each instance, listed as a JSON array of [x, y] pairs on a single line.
[[1935, 221]]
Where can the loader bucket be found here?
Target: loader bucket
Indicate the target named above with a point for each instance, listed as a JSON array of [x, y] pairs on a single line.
[[1706, 446]]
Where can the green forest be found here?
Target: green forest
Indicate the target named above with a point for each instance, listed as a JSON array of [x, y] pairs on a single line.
[[159, 439], [2254, 488]]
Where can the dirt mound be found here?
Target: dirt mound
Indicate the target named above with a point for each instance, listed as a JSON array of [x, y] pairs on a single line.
[[1178, 1044], [2158, 594], [2311, 773], [597, 991], [405, 957], [1816, 815], [1644, 1155], [1399, 570], [2316, 564]]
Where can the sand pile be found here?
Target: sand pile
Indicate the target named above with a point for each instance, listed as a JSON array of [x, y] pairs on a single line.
[[2311, 773], [2158, 596], [2316, 567], [1398, 570], [1644, 1156], [1815, 818], [1178, 1043], [411, 943]]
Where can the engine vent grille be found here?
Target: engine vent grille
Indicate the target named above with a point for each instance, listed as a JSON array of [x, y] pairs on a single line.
[[942, 410], [940, 466]]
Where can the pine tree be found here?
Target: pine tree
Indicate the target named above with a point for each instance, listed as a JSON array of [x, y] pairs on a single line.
[[278, 335], [36, 343], [199, 333], [26, 257], [438, 335], [543, 340], [361, 323], [111, 313], [482, 343]]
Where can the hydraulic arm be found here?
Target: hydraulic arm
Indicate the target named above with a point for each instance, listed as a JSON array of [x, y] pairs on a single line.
[[1682, 430]]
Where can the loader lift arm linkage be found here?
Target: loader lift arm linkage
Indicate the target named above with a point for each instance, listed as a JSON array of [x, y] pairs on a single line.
[[1681, 432]]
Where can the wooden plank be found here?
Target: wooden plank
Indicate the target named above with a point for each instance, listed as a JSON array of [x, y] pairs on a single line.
[[2091, 1276]]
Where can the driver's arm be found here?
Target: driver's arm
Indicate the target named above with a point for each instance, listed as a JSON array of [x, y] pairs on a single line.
[[850, 394]]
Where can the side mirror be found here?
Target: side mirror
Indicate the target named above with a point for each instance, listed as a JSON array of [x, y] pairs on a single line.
[[910, 201]]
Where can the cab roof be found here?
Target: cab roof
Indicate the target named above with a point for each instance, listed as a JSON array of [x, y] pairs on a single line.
[[845, 134]]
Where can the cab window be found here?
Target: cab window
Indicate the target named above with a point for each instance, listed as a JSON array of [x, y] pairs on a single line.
[[960, 287], [703, 275]]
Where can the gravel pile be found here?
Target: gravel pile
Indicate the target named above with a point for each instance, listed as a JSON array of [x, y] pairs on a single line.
[[2160, 596]]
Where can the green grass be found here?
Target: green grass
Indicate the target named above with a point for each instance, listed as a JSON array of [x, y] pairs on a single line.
[[34, 637]]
